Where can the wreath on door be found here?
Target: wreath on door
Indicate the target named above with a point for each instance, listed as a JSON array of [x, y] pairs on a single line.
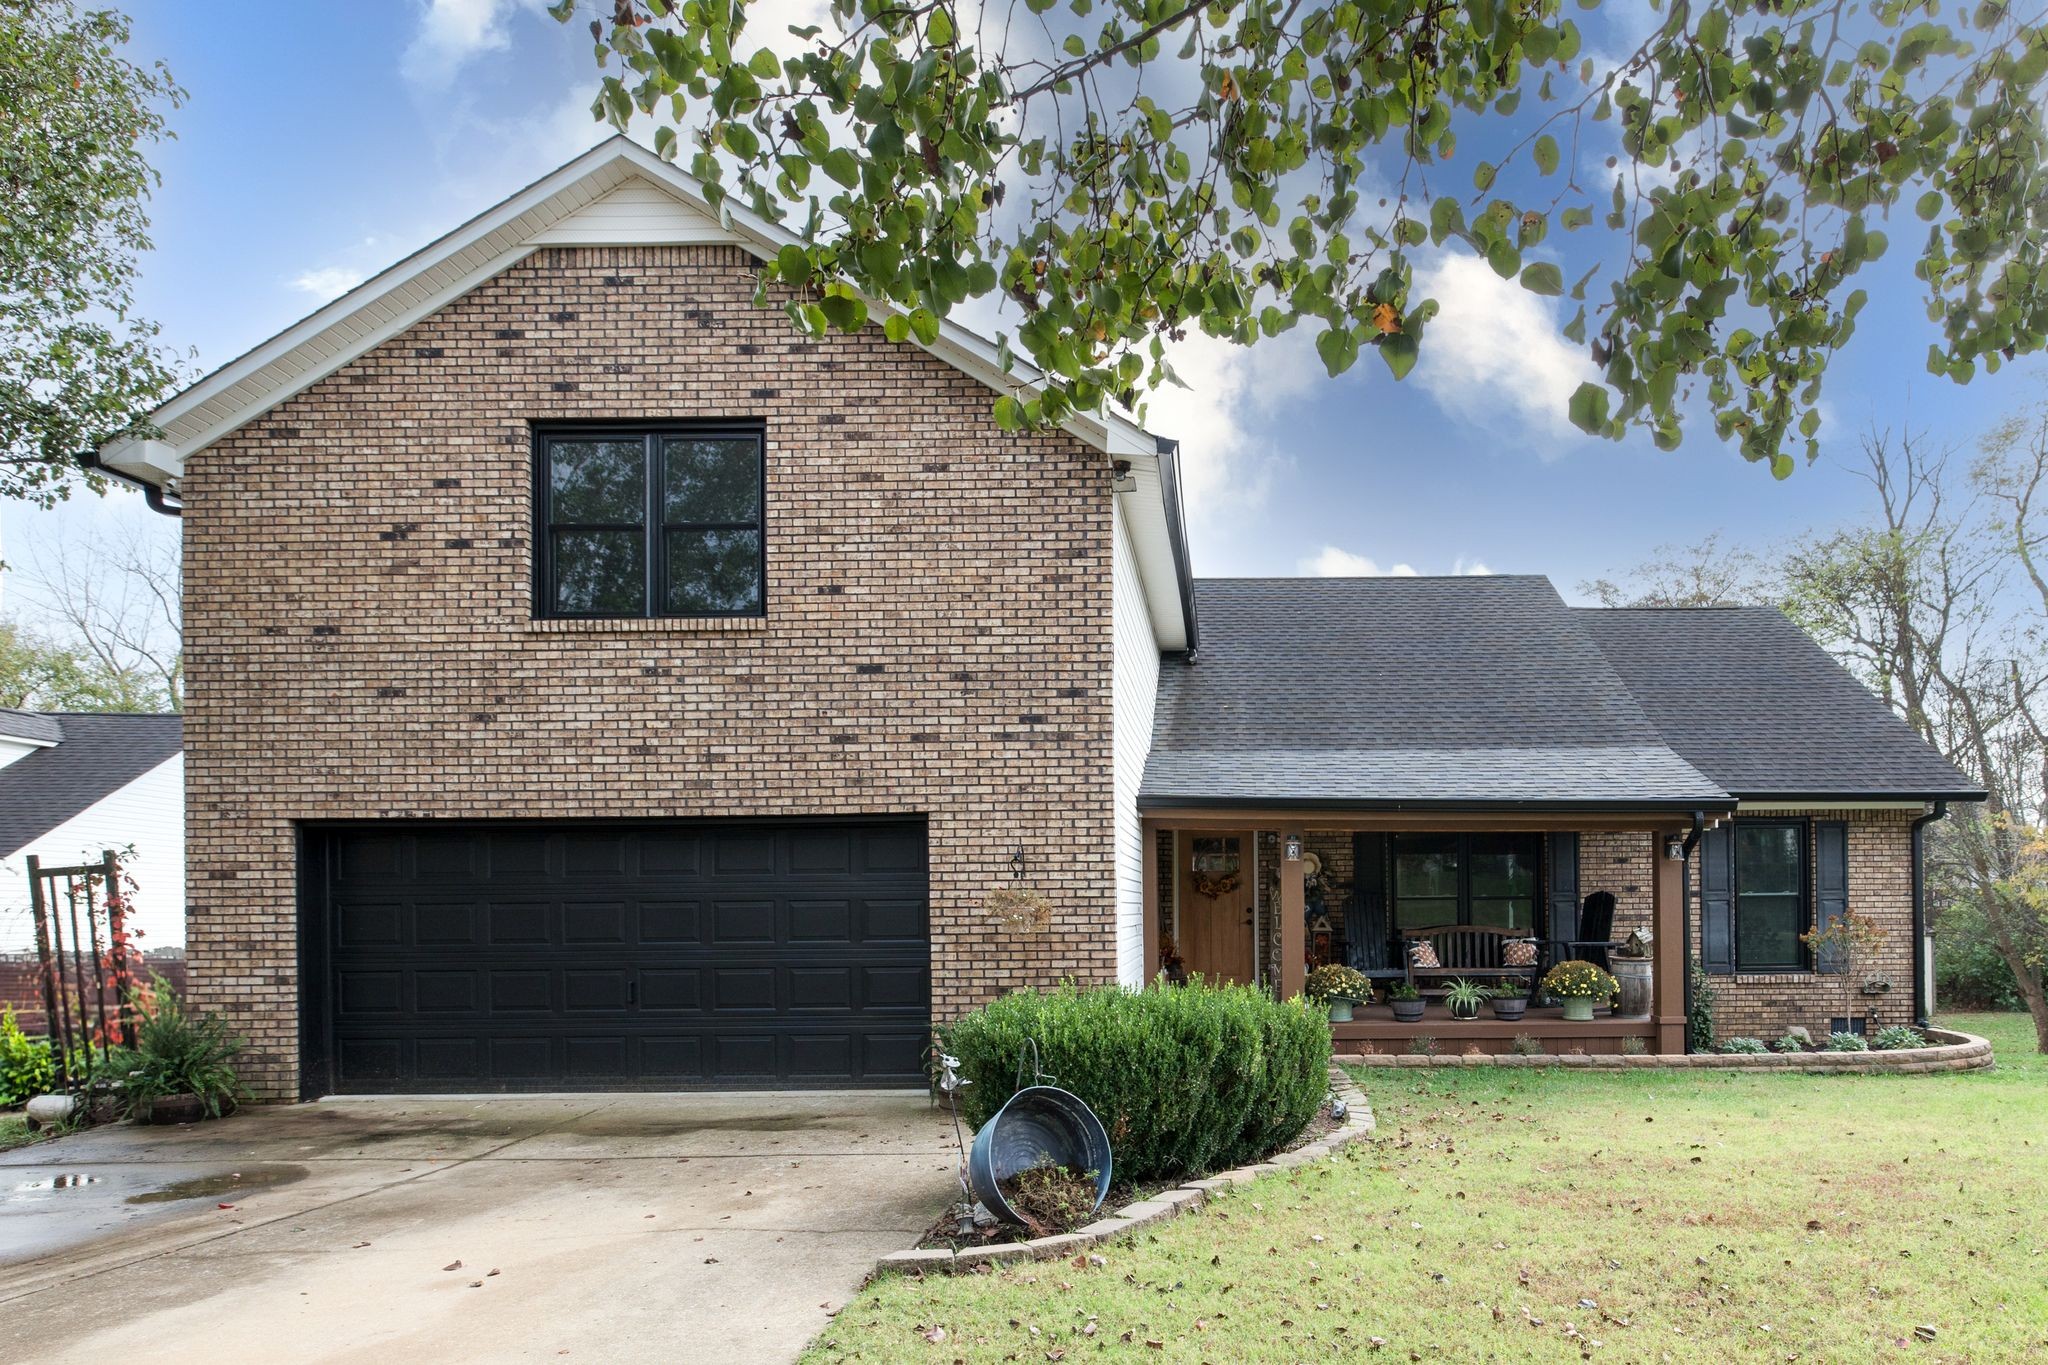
[[1217, 884]]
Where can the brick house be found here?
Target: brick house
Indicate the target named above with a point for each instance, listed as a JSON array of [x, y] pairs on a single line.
[[594, 682]]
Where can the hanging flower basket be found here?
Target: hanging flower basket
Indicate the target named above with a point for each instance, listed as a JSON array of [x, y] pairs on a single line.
[[1016, 908]]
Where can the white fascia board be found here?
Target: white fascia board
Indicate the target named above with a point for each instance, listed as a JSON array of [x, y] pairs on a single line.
[[152, 461]]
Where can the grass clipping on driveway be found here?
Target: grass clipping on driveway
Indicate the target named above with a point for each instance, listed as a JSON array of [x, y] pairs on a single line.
[[1549, 1215]]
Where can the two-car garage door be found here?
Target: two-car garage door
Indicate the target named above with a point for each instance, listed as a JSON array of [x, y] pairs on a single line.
[[581, 956]]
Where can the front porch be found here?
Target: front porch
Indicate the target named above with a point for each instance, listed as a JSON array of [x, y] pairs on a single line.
[[1265, 896]]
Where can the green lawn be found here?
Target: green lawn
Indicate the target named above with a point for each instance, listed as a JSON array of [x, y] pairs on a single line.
[[14, 1132], [1527, 1215]]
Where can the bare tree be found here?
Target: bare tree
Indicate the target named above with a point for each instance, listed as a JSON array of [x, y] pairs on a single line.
[[1704, 574], [1924, 605], [114, 598]]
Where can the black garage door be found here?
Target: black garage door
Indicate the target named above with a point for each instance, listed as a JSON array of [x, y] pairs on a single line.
[[459, 958]]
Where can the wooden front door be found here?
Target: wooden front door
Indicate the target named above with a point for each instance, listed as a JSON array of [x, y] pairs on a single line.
[[1216, 876]]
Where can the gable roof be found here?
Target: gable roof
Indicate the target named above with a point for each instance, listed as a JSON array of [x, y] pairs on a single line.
[[100, 754], [1405, 693], [1749, 699], [617, 193]]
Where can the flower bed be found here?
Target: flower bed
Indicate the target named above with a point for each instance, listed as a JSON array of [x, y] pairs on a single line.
[[1947, 1051]]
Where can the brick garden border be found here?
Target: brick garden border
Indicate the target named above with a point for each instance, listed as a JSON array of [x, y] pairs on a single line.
[[1952, 1051], [1358, 1122]]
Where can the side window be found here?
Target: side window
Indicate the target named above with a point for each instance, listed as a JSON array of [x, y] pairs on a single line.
[[649, 522]]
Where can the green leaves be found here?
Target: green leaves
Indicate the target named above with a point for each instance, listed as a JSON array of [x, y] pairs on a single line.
[[1138, 172]]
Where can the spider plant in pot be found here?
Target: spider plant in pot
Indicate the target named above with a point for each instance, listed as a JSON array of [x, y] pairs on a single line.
[[1509, 999], [1405, 1001], [1465, 997]]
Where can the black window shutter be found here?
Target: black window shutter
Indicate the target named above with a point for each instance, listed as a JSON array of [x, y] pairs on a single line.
[[1831, 885], [1717, 899], [1368, 937], [1564, 885]]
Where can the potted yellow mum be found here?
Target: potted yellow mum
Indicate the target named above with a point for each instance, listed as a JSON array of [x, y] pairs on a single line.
[[1579, 986]]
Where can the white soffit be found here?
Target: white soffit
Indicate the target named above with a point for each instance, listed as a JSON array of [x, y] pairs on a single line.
[[617, 193]]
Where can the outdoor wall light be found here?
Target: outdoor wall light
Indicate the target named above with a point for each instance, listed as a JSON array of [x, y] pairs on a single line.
[[1017, 865], [1294, 848], [1674, 847]]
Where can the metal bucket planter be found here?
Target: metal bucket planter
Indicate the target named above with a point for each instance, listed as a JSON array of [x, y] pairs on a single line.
[[1040, 1125]]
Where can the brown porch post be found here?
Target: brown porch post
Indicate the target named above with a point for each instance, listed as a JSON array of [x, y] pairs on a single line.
[[1148, 847], [1667, 905], [1293, 916]]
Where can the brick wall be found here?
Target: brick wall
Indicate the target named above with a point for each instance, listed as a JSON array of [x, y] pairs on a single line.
[[1764, 1004], [21, 982], [360, 642]]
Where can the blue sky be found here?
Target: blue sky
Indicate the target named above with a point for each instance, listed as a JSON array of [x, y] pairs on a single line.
[[324, 141]]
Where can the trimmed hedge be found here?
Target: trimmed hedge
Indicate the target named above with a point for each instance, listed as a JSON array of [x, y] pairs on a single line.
[[1187, 1079]]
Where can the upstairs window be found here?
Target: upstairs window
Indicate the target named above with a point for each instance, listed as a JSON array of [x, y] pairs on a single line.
[[649, 521]]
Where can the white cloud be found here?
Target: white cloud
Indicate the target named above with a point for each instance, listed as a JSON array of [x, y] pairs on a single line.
[[1494, 355], [1334, 562], [327, 281], [452, 32], [1226, 467], [1471, 568]]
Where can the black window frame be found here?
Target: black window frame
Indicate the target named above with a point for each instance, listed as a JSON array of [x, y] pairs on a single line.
[[1539, 901], [654, 529], [1803, 916]]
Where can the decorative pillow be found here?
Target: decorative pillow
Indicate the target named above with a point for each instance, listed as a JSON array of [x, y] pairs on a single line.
[[1422, 953], [1518, 952]]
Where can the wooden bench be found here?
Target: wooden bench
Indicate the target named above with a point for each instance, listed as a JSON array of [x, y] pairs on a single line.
[[1468, 950]]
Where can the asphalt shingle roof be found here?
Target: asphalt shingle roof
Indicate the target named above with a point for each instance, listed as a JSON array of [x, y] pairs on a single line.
[[100, 753], [1490, 691], [1749, 699], [1403, 691], [35, 725]]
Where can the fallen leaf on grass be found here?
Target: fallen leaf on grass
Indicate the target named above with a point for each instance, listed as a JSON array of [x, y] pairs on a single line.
[[452, 1265]]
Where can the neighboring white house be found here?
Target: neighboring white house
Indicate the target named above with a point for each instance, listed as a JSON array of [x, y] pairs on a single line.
[[75, 784]]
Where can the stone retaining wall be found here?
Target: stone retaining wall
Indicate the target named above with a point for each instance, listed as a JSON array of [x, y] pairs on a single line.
[[1950, 1052], [1157, 1208]]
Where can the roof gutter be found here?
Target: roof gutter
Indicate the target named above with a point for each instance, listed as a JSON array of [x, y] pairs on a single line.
[[1921, 1004], [151, 494], [1153, 804], [1177, 537]]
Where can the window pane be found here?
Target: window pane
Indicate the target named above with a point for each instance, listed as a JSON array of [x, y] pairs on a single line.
[[1510, 872], [1505, 912], [713, 573], [1767, 929], [1425, 865], [1767, 859], [716, 479], [1419, 912], [597, 482], [600, 573]]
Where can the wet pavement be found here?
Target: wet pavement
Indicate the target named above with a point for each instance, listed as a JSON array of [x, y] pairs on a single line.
[[689, 1227]]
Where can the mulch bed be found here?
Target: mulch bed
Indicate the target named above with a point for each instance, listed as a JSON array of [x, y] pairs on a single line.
[[955, 1229]]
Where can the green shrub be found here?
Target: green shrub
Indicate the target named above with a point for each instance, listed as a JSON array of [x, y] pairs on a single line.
[[1846, 1042], [1747, 1047], [1187, 1079], [1789, 1043], [1897, 1036], [1699, 1018], [1969, 971], [26, 1067], [179, 1053]]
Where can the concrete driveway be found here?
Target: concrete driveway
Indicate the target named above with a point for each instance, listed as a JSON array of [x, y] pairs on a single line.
[[609, 1227]]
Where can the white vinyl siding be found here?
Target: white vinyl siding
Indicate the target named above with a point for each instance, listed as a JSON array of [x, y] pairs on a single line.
[[148, 813], [1134, 685]]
